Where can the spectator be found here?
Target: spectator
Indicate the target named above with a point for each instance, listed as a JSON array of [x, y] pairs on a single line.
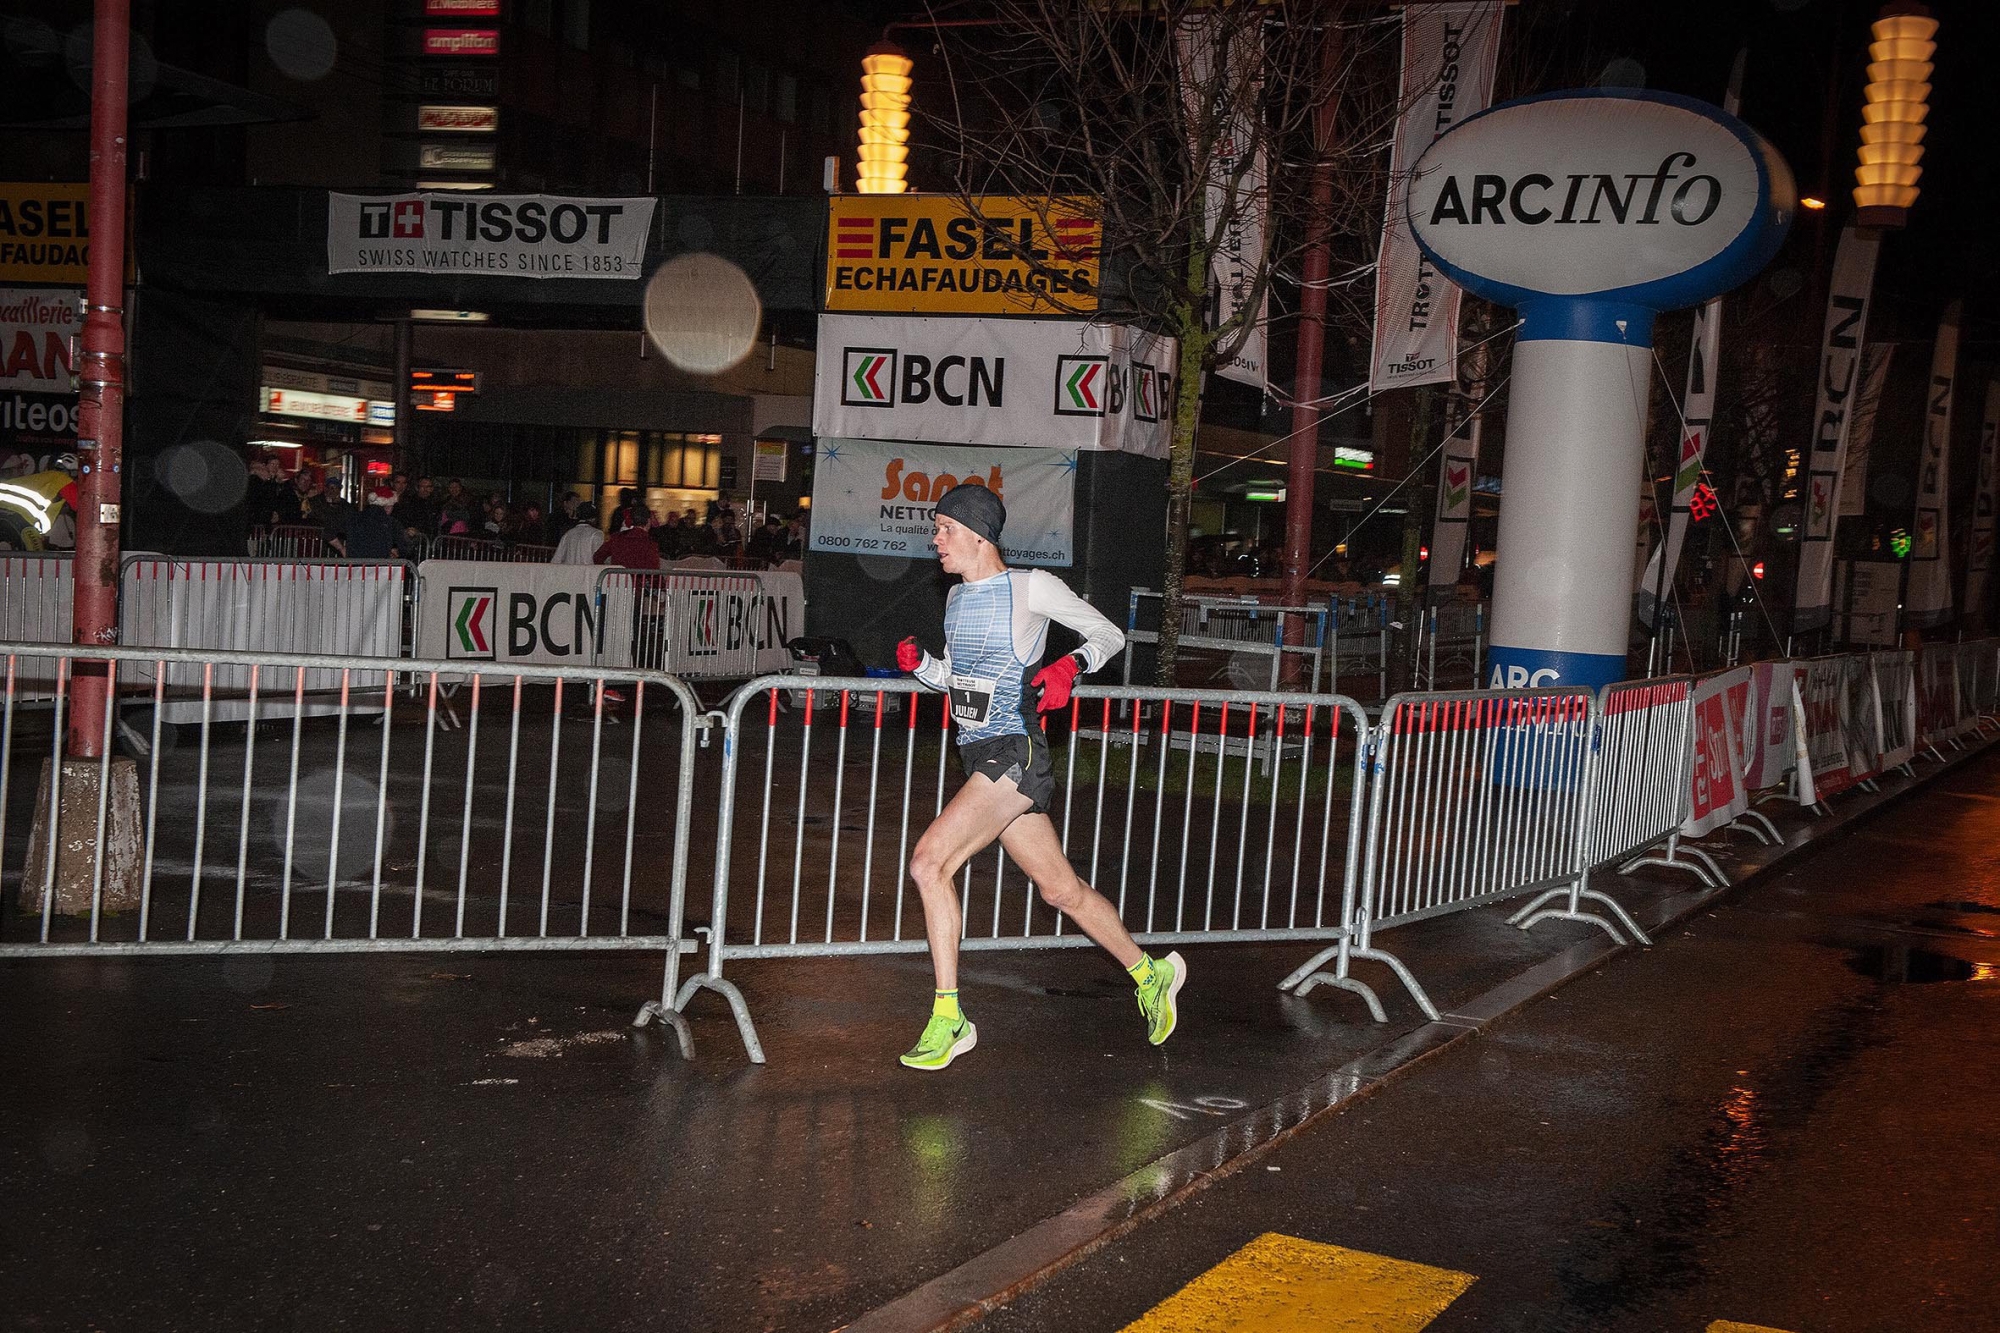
[[723, 538], [795, 536], [529, 529], [768, 542], [667, 537], [631, 548], [563, 517], [264, 496], [456, 509], [416, 511], [499, 524], [372, 534], [580, 544]]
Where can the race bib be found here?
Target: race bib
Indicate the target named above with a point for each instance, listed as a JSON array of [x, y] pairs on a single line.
[[971, 696]]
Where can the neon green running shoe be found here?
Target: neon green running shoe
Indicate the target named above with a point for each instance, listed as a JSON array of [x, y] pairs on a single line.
[[944, 1040], [1156, 1000]]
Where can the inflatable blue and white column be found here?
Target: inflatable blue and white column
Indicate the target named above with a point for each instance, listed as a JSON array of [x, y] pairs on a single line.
[[1589, 212]]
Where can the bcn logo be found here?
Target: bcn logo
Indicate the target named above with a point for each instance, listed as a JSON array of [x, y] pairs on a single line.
[[1518, 677]]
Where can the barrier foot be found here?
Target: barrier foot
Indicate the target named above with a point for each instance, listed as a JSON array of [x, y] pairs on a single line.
[[1694, 866], [1547, 895], [1308, 967], [727, 990], [1375, 1010], [673, 1018], [1745, 820]]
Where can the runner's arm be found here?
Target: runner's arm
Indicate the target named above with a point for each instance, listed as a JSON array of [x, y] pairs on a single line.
[[935, 673], [1049, 596]]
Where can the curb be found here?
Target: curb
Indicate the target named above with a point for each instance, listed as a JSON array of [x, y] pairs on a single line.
[[974, 1289]]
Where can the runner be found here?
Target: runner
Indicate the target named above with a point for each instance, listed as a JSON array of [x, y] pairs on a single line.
[[995, 623]]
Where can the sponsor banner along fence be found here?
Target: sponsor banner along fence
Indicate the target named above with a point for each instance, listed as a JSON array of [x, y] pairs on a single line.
[[1013, 383], [912, 253], [498, 235], [1724, 734], [45, 231], [487, 611], [872, 497]]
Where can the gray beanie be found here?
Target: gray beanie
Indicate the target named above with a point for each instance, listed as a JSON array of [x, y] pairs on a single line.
[[974, 507]]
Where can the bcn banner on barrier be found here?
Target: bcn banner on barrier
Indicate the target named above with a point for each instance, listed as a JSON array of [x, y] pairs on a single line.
[[495, 235], [916, 253], [1449, 51], [493, 611], [1004, 383], [872, 497], [1979, 562]]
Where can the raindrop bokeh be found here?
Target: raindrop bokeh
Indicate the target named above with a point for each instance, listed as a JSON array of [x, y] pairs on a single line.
[[301, 44]]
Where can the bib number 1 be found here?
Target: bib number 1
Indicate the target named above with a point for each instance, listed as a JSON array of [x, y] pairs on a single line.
[[971, 697]]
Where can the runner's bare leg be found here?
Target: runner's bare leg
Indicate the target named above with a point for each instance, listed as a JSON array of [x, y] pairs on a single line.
[[970, 821], [1031, 840]]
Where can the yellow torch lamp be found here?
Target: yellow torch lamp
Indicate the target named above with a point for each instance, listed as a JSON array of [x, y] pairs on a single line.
[[1892, 130], [885, 120]]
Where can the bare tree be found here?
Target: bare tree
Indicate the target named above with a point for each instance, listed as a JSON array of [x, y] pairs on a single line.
[[1152, 116]]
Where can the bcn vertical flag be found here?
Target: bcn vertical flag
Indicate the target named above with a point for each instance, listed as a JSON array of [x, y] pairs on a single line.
[[1980, 566], [1449, 51], [1846, 332], [1929, 598]]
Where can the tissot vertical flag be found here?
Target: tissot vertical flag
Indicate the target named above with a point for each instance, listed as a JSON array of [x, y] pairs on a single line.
[[1449, 51], [1839, 373], [1235, 192], [1979, 567], [1929, 599], [1698, 407]]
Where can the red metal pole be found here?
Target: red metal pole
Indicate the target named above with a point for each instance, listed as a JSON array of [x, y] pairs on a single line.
[[100, 426], [1312, 332]]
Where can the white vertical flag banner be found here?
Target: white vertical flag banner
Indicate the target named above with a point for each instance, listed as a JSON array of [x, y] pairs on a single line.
[[1979, 567], [1235, 190], [1697, 410], [1449, 51], [1839, 371], [1929, 598], [1861, 435], [1453, 511]]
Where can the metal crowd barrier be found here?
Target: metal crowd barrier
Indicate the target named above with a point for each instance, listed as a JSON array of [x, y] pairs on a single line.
[[696, 625], [353, 833], [1476, 796], [1451, 641], [1234, 628], [1358, 639], [289, 541], [1161, 809]]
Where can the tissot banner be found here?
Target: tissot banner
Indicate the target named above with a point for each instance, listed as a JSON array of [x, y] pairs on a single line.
[[1698, 408], [879, 497], [1984, 497], [1861, 433], [1449, 51], [1235, 184], [497, 235], [1929, 599], [1839, 366], [1003, 383]]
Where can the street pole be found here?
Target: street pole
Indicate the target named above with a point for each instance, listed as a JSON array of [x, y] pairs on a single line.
[[101, 403], [1301, 471]]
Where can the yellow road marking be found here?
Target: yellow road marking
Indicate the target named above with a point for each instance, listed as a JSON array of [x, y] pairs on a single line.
[[1280, 1284], [1731, 1326]]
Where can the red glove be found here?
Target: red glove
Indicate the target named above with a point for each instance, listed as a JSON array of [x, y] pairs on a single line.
[[909, 654], [1055, 680]]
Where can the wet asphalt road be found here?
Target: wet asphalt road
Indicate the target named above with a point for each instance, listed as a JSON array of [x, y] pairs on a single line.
[[479, 1141], [1782, 1115]]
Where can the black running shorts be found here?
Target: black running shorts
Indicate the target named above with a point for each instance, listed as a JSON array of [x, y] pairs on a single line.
[[1021, 760]]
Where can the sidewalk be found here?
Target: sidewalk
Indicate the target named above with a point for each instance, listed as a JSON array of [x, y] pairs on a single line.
[[482, 1141]]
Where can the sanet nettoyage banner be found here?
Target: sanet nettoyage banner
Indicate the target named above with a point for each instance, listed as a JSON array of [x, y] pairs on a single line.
[[1449, 51], [1008, 383], [939, 254], [499, 235], [1839, 377], [872, 497]]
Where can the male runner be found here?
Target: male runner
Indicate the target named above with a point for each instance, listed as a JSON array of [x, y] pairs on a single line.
[[995, 622]]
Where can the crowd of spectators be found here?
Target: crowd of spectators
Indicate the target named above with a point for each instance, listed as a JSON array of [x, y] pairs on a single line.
[[405, 517]]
